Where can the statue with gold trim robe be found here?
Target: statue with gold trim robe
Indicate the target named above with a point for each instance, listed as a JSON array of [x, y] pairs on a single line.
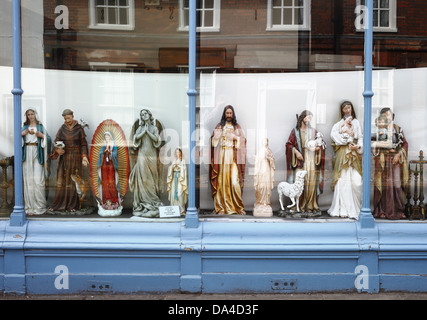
[[300, 157], [391, 172], [228, 162], [347, 164]]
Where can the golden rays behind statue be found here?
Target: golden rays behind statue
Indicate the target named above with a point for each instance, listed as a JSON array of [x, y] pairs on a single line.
[[109, 168]]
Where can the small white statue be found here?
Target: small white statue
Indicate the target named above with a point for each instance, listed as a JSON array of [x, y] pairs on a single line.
[[263, 181]]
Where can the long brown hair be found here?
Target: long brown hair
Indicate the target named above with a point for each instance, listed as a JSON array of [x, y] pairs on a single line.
[[234, 119], [27, 121], [301, 117], [345, 103]]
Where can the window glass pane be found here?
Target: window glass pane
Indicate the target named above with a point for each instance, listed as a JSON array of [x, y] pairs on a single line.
[[259, 70], [112, 19], [277, 3], [199, 18], [102, 76], [376, 18], [384, 18], [208, 18], [100, 15], [299, 16], [124, 16], [287, 16], [385, 4], [186, 17], [277, 16], [287, 3], [209, 4], [111, 2]]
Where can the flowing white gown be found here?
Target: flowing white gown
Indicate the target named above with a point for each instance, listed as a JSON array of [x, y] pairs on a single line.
[[347, 199], [34, 177]]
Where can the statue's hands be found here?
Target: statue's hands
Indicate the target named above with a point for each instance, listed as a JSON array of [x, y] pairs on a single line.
[[353, 146], [231, 136], [25, 132], [39, 134], [142, 132], [85, 161], [298, 155], [217, 133], [60, 151], [396, 158]]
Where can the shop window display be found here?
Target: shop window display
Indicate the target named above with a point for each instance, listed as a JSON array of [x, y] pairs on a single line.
[[268, 77]]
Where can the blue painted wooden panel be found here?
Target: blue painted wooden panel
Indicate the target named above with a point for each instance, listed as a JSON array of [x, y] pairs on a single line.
[[57, 234], [250, 257], [3, 224], [403, 282], [266, 283], [281, 236], [99, 262], [128, 256], [262, 262], [117, 283]]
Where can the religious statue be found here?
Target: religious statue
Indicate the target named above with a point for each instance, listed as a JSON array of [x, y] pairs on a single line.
[[347, 141], [177, 182], [145, 177], [71, 147], [302, 155], [390, 150], [36, 146], [109, 160], [263, 181], [228, 162]]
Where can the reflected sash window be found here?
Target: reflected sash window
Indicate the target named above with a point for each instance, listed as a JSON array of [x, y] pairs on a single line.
[[112, 14], [207, 15], [288, 15], [384, 19]]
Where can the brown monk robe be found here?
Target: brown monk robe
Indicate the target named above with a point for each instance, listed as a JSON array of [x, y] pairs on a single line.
[[71, 159]]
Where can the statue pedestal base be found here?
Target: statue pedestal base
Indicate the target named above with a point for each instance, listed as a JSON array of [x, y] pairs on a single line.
[[300, 214], [109, 212], [261, 210]]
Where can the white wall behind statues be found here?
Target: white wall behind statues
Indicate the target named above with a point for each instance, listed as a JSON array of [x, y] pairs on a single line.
[[265, 105]]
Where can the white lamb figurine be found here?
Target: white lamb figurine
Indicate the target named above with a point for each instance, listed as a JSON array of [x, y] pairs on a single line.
[[318, 142], [292, 191]]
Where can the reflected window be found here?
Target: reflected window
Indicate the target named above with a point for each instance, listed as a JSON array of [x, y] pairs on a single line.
[[288, 15], [384, 19], [112, 14], [208, 15]]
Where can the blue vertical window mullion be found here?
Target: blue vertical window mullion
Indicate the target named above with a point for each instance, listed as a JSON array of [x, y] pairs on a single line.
[[17, 217], [191, 218], [366, 219]]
